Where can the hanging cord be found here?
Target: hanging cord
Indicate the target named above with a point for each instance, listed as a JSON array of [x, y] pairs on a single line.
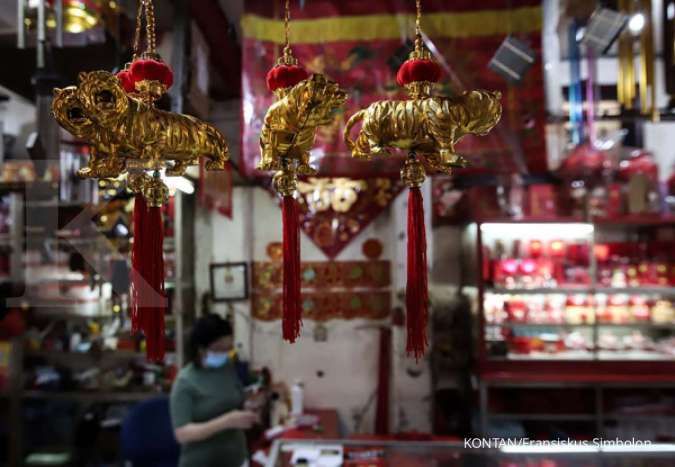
[[137, 34], [145, 9], [418, 28], [287, 55], [150, 26]]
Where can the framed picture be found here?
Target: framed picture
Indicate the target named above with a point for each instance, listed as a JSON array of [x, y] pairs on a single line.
[[229, 281]]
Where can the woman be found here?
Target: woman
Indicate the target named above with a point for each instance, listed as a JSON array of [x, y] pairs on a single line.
[[206, 399]]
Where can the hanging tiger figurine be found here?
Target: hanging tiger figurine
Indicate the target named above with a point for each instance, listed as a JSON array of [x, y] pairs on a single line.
[[430, 126], [289, 127], [122, 129]]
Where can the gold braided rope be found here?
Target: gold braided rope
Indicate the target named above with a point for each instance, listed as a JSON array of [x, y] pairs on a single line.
[[287, 56], [150, 26], [419, 51], [145, 9]]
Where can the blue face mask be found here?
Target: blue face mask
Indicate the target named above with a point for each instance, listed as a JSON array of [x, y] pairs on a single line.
[[216, 359]]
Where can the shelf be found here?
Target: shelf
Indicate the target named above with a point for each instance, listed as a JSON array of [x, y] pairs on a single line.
[[542, 417], [647, 220], [541, 290], [585, 325], [647, 289], [105, 355], [91, 396], [642, 290], [600, 356]]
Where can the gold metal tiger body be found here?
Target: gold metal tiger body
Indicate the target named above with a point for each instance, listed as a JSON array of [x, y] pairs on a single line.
[[289, 127], [430, 126], [125, 132]]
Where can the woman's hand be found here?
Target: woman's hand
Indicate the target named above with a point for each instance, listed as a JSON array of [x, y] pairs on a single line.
[[240, 419], [234, 420]]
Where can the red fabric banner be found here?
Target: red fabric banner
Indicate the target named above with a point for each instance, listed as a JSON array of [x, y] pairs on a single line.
[[362, 44]]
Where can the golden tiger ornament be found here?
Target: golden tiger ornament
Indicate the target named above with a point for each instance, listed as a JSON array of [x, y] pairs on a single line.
[[289, 128], [125, 132], [430, 126]]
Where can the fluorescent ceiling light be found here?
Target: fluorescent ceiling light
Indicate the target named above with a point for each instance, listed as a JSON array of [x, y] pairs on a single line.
[[179, 183], [636, 23]]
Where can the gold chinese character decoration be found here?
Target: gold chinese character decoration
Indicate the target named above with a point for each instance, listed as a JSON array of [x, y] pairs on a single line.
[[303, 103], [427, 127], [128, 135]]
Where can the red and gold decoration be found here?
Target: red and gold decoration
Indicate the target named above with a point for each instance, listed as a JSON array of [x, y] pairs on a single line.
[[427, 128], [326, 274], [128, 135], [334, 211], [324, 306], [359, 45], [331, 290], [303, 103]]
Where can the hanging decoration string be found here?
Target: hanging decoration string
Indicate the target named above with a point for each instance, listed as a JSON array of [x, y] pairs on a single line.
[[289, 129], [429, 136]]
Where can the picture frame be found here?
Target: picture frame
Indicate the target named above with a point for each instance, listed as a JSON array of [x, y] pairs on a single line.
[[229, 281]]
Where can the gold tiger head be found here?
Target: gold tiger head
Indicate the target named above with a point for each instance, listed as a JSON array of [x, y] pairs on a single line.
[[69, 112], [316, 99], [473, 112], [102, 96]]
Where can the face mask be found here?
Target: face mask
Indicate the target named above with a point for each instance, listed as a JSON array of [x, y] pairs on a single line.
[[216, 359]]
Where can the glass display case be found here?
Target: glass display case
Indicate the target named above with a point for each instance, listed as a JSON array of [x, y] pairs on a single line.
[[577, 291], [362, 453]]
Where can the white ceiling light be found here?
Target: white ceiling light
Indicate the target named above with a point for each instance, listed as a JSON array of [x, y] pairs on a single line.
[[636, 23], [179, 183]]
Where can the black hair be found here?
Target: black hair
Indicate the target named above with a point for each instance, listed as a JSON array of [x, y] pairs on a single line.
[[206, 330]]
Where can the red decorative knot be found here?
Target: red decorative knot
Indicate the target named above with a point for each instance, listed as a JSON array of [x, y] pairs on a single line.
[[126, 81], [151, 70], [283, 76], [418, 69]]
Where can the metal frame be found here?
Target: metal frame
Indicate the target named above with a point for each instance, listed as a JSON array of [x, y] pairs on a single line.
[[213, 267]]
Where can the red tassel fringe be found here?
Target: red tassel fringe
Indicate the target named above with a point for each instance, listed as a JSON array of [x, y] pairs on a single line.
[[148, 300], [417, 293], [292, 306]]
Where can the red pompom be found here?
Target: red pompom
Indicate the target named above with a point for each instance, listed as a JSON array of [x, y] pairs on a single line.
[[153, 70], [283, 76], [126, 80], [418, 69]]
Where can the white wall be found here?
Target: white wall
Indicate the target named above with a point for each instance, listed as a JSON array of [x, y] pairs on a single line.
[[349, 358]]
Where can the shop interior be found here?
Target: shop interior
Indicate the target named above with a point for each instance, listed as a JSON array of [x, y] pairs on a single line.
[[437, 233]]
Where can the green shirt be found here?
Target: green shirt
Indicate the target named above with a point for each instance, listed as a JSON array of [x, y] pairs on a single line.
[[199, 395]]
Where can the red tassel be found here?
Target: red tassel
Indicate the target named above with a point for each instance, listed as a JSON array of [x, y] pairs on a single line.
[[417, 293], [292, 307], [148, 301]]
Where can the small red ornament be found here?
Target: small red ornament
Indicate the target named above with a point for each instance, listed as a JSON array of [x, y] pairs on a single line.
[[416, 70], [148, 69], [372, 248], [283, 76], [126, 80]]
